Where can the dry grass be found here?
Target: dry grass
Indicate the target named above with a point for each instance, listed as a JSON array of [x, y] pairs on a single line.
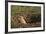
[[24, 22]]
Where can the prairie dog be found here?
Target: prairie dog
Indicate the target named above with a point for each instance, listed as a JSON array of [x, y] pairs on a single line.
[[19, 19]]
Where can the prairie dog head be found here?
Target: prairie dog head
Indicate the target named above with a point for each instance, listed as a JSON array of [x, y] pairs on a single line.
[[22, 20]]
